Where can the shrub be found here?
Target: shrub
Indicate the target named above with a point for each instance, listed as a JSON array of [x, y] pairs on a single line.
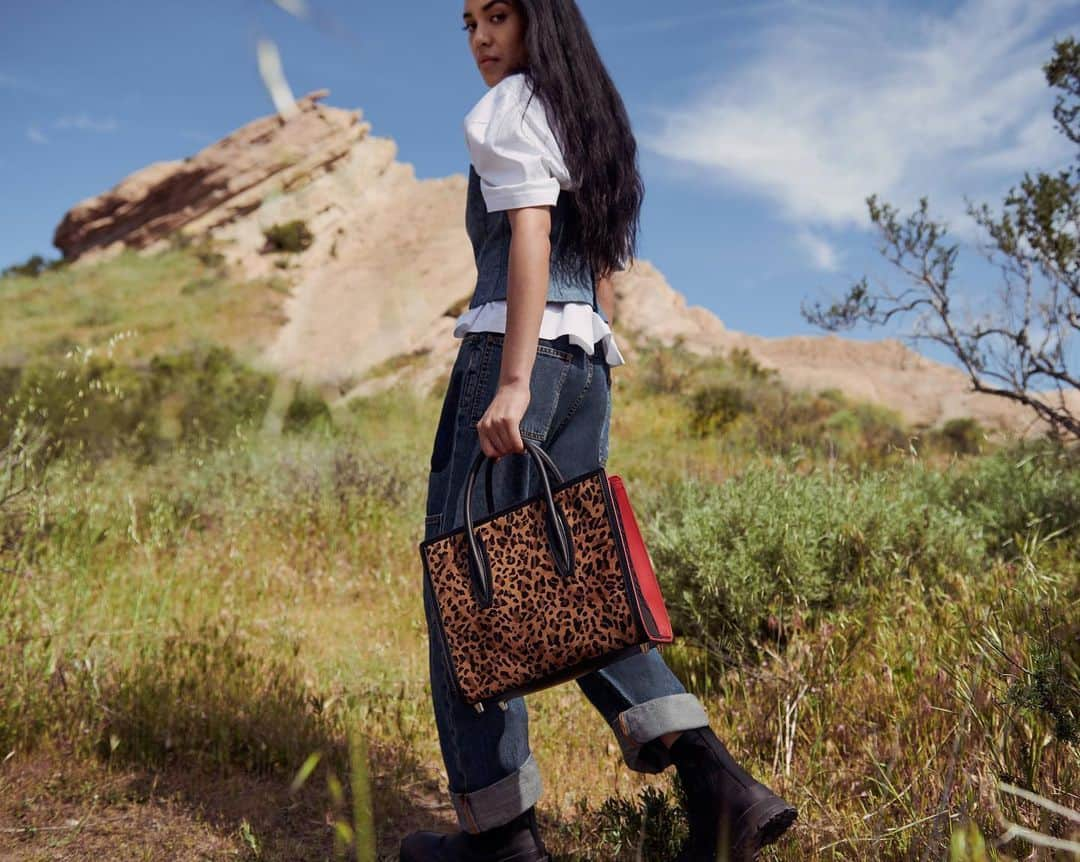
[[91, 405], [665, 370], [101, 314], [714, 406], [292, 236], [870, 429], [756, 547], [651, 827], [1032, 486], [209, 258], [1050, 683], [962, 436], [744, 364], [218, 393], [307, 409], [34, 266], [197, 698], [197, 285]]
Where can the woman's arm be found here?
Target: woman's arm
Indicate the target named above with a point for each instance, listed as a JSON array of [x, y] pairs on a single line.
[[526, 296], [605, 297]]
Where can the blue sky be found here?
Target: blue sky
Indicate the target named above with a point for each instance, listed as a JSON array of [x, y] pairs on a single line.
[[762, 125]]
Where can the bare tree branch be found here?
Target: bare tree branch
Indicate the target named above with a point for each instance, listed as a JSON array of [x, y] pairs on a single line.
[[1018, 348]]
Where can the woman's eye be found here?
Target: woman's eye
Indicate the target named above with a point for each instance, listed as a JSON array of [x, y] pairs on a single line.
[[468, 27], [498, 18]]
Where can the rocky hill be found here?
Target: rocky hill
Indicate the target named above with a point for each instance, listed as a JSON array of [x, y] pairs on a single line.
[[390, 266]]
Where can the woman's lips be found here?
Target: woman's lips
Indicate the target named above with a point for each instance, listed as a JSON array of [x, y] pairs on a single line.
[[487, 60]]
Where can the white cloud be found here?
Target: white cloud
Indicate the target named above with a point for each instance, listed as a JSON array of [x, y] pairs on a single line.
[[821, 252], [876, 97], [86, 123], [34, 134]]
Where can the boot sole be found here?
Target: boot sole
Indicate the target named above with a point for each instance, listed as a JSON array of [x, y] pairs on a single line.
[[406, 856], [764, 824], [410, 858], [403, 857]]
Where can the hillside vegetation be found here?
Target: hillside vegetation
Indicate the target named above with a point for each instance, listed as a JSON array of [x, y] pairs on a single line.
[[211, 633]]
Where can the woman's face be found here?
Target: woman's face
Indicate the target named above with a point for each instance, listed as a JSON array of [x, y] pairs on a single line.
[[496, 31]]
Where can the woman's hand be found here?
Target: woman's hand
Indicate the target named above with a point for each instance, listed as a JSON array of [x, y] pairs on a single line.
[[499, 427]]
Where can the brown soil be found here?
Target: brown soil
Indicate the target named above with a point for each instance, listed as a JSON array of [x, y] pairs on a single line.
[[62, 809]]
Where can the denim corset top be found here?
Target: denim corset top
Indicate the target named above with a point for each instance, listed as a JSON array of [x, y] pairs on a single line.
[[490, 237]]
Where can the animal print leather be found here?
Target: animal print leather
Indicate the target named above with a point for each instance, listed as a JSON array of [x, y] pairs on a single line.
[[528, 632]]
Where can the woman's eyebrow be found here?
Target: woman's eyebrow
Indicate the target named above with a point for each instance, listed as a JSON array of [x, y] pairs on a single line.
[[485, 7]]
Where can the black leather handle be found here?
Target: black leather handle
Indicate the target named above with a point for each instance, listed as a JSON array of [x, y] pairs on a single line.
[[558, 529]]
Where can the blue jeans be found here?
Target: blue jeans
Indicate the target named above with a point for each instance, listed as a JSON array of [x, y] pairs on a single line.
[[493, 777]]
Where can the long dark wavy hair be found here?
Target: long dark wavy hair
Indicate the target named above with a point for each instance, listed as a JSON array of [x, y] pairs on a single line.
[[589, 119]]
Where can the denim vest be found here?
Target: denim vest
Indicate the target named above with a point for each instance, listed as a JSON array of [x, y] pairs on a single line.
[[490, 237]]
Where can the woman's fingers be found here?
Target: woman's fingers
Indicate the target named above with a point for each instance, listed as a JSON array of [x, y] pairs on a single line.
[[514, 441], [504, 432], [499, 437], [500, 426], [492, 439], [487, 441]]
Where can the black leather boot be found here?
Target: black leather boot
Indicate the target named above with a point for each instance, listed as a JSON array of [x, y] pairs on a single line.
[[731, 815], [516, 841]]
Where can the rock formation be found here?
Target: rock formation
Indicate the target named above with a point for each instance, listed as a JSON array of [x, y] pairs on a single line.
[[223, 182], [391, 265]]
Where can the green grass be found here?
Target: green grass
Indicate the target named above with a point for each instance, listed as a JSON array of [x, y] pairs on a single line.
[[176, 299], [881, 629]]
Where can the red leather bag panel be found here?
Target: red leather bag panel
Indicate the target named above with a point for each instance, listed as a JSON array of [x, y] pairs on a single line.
[[654, 613]]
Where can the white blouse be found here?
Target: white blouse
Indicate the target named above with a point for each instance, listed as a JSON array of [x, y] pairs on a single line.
[[576, 319], [520, 164]]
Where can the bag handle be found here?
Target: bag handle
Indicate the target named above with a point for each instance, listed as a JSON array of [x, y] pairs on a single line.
[[556, 526]]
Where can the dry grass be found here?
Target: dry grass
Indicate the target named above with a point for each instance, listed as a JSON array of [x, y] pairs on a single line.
[[178, 638], [171, 300]]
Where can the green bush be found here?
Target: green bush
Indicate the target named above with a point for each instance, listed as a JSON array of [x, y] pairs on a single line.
[[307, 409], [738, 556], [197, 285], [865, 428], [963, 436], [91, 405], [715, 406], [34, 266], [218, 393], [1050, 682], [210, 258], [748, 368], [1015, 491], [102, 314], [734, 555], [292, 236], [651, 827]]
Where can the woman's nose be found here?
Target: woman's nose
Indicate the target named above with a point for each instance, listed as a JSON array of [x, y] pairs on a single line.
[[481, 37]]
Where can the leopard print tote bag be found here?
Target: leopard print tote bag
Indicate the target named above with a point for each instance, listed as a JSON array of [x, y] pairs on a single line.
[[545, 590]]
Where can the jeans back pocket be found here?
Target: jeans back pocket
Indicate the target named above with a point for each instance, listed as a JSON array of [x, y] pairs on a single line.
[[549, 372]]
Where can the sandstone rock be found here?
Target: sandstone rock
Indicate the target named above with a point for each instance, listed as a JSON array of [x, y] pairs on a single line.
[[224, 181], [390, 258]]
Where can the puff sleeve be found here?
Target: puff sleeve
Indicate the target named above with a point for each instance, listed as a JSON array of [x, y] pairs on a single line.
[[513, 149]]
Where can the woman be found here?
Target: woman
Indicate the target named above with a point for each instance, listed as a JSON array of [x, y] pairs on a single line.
[[552, 211]]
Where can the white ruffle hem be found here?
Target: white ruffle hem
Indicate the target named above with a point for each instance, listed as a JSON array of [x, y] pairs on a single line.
[[579, 320]]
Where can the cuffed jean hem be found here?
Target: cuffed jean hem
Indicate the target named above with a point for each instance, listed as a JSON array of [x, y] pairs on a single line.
[[500, 802], [638, 729]]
